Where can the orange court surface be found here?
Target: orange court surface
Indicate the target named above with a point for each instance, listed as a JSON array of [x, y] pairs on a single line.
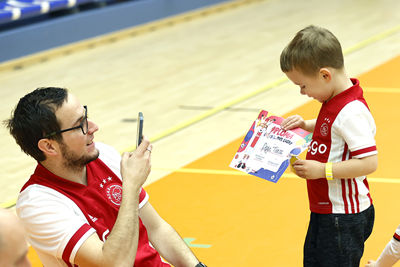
[[233, 219]]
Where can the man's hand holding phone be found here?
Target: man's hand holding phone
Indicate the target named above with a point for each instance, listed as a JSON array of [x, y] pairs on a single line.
[[136, 165]]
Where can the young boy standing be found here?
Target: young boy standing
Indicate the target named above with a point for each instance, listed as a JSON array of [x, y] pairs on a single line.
[[341, 154]]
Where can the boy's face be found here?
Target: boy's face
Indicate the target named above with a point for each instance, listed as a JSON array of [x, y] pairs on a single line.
[[317, 86]]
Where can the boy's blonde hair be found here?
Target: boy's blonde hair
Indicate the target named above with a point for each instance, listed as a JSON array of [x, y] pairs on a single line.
[[310, 50]]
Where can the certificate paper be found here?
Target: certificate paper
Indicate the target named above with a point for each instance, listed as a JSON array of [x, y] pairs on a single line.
[[266, 149]]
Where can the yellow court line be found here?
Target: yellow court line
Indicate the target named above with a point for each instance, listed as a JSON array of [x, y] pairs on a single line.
[[285, 175], [276, 83], [8, 204], [373, 39], [213, 111], [381, 90], [12, 202]]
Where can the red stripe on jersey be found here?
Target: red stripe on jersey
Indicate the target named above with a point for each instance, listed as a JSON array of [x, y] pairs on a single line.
[[349, 182], [345, 151], [72, 242], [363, 151], [346, 205], [367, 186], [356, 196]]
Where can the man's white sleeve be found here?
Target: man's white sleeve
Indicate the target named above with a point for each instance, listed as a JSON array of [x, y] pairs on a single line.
[[54, 224]]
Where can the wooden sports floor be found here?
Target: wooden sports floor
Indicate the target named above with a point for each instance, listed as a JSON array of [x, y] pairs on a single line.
[[200, 79]]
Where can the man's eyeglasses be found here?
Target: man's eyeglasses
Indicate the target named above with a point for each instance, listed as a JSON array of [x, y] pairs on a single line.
[[84, 125]]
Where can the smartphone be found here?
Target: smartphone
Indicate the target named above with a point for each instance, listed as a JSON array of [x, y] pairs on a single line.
[[139, 135]]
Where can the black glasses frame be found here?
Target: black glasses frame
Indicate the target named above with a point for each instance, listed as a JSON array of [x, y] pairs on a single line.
[[84, 121]]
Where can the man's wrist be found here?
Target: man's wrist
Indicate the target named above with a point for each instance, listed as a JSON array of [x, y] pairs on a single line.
[[200, 264]]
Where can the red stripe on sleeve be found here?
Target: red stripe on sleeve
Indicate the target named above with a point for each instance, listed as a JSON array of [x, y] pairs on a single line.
[[72, 242], [362, 151], [396, 236]]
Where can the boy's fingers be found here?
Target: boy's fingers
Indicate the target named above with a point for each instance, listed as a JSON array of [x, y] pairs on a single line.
[[289, 124], [298, 162], [293, 159]]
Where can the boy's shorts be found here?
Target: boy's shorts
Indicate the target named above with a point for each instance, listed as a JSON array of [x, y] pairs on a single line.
[[337, 239]]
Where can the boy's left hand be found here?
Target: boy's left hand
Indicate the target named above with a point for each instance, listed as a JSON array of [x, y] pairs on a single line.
[[309, 169]]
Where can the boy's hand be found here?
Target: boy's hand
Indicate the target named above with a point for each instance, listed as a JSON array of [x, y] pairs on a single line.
[[292, 122], [309, 169], [370, 264]]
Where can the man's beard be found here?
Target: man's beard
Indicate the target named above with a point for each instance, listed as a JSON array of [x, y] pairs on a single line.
[[74, 162]]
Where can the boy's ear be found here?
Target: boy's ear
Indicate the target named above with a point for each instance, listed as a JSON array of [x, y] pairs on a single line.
[[326, 74], [47, 146]]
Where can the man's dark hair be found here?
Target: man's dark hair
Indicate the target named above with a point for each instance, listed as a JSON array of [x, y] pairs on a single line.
[[34, 117]]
